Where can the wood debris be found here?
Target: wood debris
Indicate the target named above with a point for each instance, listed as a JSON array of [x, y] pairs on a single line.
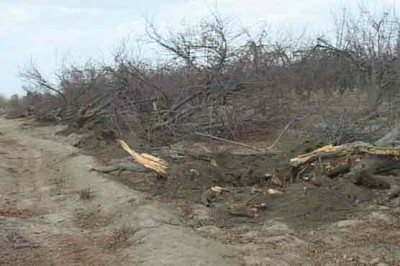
[[149, 161], [364, 164]]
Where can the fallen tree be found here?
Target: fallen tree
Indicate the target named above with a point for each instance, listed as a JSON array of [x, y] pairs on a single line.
[[365, 164]]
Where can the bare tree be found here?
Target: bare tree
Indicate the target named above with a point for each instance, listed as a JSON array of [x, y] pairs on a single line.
[[32, 76], [369, 44]]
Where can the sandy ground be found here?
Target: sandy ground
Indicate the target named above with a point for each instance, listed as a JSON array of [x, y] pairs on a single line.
[[54, 211], [44, 221]]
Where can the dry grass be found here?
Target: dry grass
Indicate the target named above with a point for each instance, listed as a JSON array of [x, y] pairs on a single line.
[[377, 235], [18, 213], [217, 216], [86, 194], [119, 238], [80, 250], [376, 231], [188, 212], [90, 219]]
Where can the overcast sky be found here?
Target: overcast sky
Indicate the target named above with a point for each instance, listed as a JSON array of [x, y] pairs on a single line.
[[49, 31]]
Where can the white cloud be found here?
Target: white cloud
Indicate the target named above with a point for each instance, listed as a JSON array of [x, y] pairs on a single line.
[[297, 14], [134, 27], [75, 11], [69, 10], [13, 18], [19, 14], [64, 37]]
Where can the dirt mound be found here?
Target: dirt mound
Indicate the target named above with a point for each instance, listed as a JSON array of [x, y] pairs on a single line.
[[190, 177], [248, 180], [304, 205]]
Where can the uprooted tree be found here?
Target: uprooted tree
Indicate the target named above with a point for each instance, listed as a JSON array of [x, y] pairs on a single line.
[[365, 164]]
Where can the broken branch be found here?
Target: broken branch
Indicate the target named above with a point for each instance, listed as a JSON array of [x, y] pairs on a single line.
[[234, 142], [147, 160]]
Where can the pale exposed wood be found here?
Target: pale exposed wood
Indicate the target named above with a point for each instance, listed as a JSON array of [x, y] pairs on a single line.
[[147, 160]]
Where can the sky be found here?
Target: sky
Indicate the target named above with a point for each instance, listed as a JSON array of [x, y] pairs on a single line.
[[50, 32]]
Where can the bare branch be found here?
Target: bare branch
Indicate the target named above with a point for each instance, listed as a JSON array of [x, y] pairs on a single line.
[[33, 76]]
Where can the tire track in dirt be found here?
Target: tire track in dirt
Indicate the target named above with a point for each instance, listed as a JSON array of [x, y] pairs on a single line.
[[17, 168]]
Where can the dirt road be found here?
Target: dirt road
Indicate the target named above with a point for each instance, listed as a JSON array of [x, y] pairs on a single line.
[[54, 211]]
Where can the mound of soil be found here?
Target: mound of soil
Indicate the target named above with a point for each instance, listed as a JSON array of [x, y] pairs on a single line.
[[248, 178], [301, 205], [191, 177], [308, 206]]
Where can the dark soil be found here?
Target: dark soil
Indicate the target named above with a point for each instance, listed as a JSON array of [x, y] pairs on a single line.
[[302, 205]]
